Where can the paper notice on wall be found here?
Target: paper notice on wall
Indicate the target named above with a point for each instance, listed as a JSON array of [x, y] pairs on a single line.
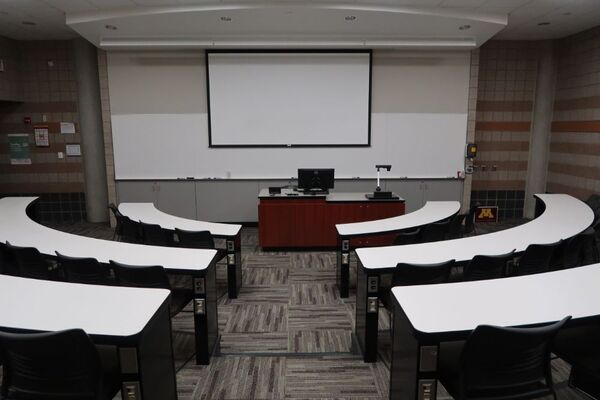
[[67, 128], [41, 136], [18, 146], [73, 150]]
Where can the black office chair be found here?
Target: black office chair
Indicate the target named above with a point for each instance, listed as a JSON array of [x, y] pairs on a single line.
[[469, 226], [83, 270], [116, 213], [536, 258], [154, 235], [487, 267], [56, 366], [500, 363], [130, 230], [9, 265], [590, 254], [434, 232], [151, 277], [568, 254], [422, 274], [407, 237], [198, 240], [578, 346], [455, 227], [413, 274], [31, 263], [195, 239]]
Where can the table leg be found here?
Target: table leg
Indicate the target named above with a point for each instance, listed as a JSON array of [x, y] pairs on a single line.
[[414, 362], [343, 266], [206, 325], [234, 266], [367, 312], [147, 367]]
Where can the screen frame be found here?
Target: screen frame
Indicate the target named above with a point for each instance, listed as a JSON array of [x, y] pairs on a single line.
[[207, 52]]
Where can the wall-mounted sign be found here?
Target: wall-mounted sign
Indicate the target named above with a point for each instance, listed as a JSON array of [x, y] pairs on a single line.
[[486, 214], [67, 128], [18, 147], [41, 135], [73, 150]]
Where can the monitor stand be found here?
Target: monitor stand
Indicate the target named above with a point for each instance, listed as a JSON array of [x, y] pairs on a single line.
[[315, 192]]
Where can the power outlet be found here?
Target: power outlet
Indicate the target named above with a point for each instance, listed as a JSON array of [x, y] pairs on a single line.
[[60, 155]]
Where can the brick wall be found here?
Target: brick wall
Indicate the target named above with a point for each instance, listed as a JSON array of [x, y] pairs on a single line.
[[50, 92], [574, 165], [506, 91], [9, 88]]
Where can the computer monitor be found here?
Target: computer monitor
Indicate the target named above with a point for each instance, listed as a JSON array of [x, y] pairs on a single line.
[[315, 179]]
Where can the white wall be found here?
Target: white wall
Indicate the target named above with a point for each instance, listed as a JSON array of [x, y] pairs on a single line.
[[159, 116]]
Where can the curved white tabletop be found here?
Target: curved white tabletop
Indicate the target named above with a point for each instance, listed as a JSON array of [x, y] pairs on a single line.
[[432, 211], [523, 300], [32, 304], [17, 228], [146, 212], [564, 217]]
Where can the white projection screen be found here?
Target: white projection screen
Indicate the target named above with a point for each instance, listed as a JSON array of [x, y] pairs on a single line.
[[289, 98]]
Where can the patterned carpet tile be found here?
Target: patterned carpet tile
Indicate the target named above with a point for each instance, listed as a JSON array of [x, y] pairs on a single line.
[[313, 260], [260, 276], [323, 341], [251, 295], [325, 377], [242, 378], [311, 317], [270, 342], [311, 275], [252, 318], [260, 260], [308, 293]]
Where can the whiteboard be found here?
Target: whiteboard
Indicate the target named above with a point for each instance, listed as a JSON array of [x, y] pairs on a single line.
[[287, 98], [171, 146]]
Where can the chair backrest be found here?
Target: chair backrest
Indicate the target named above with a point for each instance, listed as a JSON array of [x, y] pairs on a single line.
[[589, 238], [154, 235], [487, 267], [83, 270], [434, 232], [117, 214], [140, 276], [55, 365], [8, 264], [470, 219], [536, 258], [411, 274], [30, 262], [407, 237], [507, 362], [129, 231], [571, 254], [455, 226], [195, 239]]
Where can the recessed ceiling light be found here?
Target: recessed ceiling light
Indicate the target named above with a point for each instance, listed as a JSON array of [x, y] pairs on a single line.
[[226, 19], [110, 27], [350, 18], [30, 23], [543, 23], [464, 27]]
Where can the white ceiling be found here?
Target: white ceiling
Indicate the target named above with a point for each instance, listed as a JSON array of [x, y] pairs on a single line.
[[378, 23]]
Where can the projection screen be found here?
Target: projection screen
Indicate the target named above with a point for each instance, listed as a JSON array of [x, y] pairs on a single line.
[[288, 98]]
